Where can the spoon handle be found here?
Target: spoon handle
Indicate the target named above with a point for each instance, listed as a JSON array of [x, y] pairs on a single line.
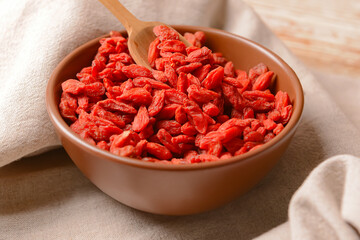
[[128, 20]]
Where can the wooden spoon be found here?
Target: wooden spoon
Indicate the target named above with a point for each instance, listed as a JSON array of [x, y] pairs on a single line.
[[140, 33]]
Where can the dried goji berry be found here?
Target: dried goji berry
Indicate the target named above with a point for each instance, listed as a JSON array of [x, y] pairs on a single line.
[[83, 104], [229, 70], [247, 130], [171, 126], [165, 33], [256, 71], [230, 133], [167, 112], [121, 57], [172, 46], [166, 139], [157, 103], [236, 113], [278, 128], [80, 128], [161, 62], [177, 59], [274, 115], [210, 138], [113, 105], [235, 122], [188, 129], [73, 86], [174, 96], [225, 155], [215, 149], [211, 109], [247, 147], [194, 103], [95, 89], [200, 94], [248, 112], [127, 85], [218, 59], [286, 114], [180, 115], [233, 96], [199, 55], [268, 137], [191, 49], [200, 36], [196, 116], [142, 81], [240, 74], [260, 105], [203, 158], [141, 119], [139, 96], [133, 71], [233, 81], [188, 68], [193, 80], [255, 124], [256, 147], [103, 145], [261, 116], [214, 78], [182, 82], [222, 118], [281, 100], [234, 145], [209, 119], [178, 161], [198, 139], [98, 64], [127, 118], [263, 81], [192, 39], [258, 95], [106, 131], [171, 75], [140, 147], [213, 127], [100, 112], [262, 131], [146, 132], [68, 105], [158, 151], [125, 138], [160, 76], [269, 124], [202, 72], [183, 139]]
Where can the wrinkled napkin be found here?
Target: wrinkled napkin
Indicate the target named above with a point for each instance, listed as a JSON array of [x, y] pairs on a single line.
[[57, 202]]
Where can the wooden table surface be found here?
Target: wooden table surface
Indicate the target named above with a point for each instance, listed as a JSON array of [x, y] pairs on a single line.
[[324, 34]]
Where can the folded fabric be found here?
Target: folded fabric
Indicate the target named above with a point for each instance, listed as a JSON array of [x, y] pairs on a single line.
[[327, 205], [35, 36]]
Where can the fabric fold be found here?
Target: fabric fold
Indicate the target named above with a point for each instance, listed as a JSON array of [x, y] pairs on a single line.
[[326, 206]]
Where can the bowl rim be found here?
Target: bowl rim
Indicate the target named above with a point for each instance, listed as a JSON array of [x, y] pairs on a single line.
[[289, 129]]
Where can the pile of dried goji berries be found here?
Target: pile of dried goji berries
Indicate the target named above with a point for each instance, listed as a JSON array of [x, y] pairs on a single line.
[[193, 107]]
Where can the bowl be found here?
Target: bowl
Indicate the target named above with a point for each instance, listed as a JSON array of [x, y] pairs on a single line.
[[178, 189]]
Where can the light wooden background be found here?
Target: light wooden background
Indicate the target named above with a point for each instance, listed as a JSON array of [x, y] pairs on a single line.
[[325, 34]]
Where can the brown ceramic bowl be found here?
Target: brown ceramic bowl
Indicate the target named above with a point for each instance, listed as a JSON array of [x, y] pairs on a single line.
[[178, 189]]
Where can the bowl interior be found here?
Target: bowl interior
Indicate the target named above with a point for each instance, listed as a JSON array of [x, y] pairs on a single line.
[[244, 54]]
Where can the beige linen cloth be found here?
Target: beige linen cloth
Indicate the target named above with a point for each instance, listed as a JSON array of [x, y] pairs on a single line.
[[46, 197]]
